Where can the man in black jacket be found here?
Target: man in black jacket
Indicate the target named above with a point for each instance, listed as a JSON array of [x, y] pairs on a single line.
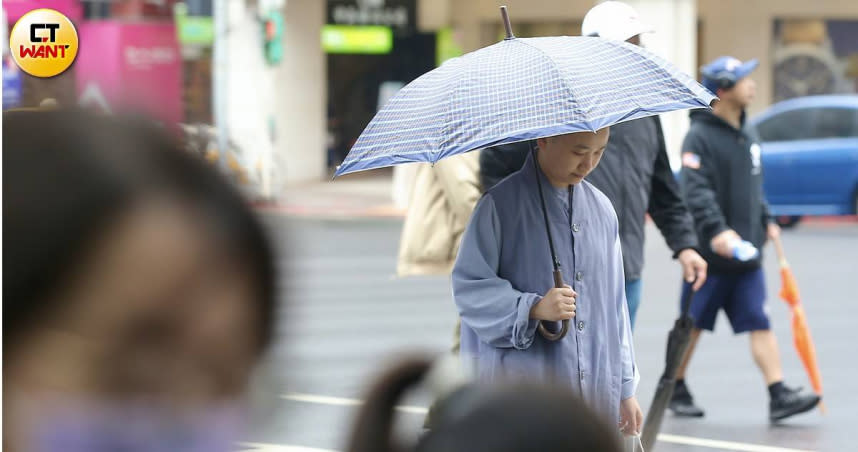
[[722, 181], [634, 173]]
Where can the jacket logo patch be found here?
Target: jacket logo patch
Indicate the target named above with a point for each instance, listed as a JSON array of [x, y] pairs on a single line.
[[690, 160], [755, 158]]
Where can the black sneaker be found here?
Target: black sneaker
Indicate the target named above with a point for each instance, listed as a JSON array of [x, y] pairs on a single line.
[[790, 402], [682, 403]]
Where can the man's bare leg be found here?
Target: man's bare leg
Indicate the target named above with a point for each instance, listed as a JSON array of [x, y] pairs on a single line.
[[764, 348]]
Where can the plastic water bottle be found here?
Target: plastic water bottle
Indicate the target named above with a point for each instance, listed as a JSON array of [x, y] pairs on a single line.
[[744, 250]]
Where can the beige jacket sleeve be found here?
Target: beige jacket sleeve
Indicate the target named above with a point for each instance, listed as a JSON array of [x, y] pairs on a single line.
[[459, 178], [440, 207]]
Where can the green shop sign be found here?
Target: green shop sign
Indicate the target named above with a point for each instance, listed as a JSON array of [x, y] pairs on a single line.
[[361, 39], [193, 29]]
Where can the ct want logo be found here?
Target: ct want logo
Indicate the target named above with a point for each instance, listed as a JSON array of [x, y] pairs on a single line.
[[44, 43]]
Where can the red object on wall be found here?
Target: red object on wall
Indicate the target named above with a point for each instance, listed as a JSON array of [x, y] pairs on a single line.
[[270, 30]]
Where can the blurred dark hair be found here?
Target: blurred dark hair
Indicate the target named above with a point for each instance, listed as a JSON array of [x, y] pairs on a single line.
[[483, 418], [68, 175]]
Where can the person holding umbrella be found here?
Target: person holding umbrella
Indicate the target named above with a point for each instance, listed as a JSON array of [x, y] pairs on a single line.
[[635, 173], [503, 269], [722, 181]]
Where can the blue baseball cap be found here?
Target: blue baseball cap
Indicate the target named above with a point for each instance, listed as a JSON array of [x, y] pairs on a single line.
[[725, 71]]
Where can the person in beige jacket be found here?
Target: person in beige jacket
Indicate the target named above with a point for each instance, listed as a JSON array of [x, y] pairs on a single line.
[[442, 200]]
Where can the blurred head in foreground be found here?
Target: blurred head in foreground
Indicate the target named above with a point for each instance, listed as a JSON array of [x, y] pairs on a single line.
[[138, 289], [483, 418]]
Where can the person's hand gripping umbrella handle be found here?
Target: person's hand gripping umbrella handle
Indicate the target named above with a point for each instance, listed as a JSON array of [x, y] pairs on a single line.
[[564, 324]]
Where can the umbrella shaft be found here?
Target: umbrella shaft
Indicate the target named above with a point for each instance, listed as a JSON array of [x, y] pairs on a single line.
[[554, 260], [558, 277]]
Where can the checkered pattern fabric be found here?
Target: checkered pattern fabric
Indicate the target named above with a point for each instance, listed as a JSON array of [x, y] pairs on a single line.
[[520, 89]]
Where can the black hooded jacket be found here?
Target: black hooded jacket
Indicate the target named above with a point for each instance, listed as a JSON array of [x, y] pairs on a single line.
[[722, 181]]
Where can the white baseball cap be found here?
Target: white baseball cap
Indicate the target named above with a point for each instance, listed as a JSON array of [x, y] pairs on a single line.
[[616, 21]]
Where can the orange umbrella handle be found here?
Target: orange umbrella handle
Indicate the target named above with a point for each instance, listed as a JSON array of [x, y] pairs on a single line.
[[779, 249]]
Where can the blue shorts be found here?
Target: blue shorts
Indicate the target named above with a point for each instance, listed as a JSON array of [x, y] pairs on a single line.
[[742, 296]]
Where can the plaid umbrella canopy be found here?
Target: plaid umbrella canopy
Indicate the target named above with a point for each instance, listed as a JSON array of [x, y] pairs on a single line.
[[521, 89]]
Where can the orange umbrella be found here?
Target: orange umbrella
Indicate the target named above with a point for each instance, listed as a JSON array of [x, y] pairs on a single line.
[[800, 331]]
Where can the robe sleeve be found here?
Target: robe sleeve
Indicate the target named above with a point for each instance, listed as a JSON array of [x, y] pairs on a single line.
[[497, 312], [630, 376]]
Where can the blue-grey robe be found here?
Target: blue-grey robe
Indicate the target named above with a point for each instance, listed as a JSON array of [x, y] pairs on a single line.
[[504, 266]]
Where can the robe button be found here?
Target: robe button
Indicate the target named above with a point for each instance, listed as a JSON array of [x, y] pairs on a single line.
[[579, 276], [576, 227], [581, 326]]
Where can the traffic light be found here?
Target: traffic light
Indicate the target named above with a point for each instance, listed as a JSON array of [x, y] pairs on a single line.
[[272, 29]]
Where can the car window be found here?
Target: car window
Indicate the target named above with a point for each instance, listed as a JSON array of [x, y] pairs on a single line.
[[835, 123], [809, 124], [787, 126]]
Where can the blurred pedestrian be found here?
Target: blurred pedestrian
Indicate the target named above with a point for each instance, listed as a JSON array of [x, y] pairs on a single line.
[[722, 180], [635, 172], [503, 285], [138, 290], [483, 418], [442, 199]]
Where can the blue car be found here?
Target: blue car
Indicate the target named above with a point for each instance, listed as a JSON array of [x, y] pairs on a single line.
[[810, 156]]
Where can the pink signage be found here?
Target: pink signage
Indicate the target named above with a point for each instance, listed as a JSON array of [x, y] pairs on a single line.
[[17, 8], [128, 66]]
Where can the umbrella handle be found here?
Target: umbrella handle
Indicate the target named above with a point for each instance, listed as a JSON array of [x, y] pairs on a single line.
[[685, 304], [779, 249], [564, 325]]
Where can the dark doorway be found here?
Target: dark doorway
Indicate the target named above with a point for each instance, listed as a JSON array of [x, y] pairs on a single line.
[[354, 81]]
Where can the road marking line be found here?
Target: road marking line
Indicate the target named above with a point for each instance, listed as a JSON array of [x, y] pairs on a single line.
[[664, 437], [262, 447], [726, 445], [339, 401]]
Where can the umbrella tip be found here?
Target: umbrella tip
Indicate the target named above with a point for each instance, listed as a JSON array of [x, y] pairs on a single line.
[[507, 26]]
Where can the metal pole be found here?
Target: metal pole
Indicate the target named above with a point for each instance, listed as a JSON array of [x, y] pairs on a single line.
[[220, 88]]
